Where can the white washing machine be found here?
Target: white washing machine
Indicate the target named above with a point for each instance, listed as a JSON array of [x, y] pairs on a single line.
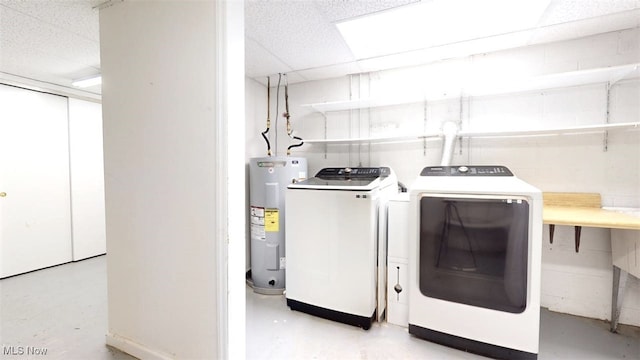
[[335, 244], [475, 260]]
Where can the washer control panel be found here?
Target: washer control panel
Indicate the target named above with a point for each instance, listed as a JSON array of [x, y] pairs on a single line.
[[353, 173], [466, 170]]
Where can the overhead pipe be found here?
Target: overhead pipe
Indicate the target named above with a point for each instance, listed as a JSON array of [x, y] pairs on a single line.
[[450, 132], [264, 133], [288, 116], [277, 110]]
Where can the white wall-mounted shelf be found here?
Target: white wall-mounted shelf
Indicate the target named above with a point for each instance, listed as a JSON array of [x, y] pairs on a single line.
[[375, 139], [572, 130], [334, 106], [475, 87]]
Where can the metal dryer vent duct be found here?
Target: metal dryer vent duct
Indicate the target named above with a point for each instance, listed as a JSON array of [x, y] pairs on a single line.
[[449, 130]]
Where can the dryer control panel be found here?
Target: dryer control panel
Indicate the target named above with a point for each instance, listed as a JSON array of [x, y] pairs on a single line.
[[484, 170]]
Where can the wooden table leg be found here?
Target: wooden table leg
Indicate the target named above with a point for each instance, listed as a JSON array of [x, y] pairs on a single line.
[[552, 227], [577, 230], [615, 312]]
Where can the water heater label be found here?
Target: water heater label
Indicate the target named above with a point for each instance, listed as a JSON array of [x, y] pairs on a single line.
[[257, 232], [257, 223], [272, 220]]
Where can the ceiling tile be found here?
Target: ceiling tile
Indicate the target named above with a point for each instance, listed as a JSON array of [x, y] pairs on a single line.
[[75, 16], [31, 46], [562, 11], [58, 40], [296, 32], [586, 27], [260, 62], [338, 10], [330, 71]]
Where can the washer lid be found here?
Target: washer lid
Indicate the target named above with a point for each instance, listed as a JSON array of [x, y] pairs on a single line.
[[356, 173], [318, 182], [359, 178]]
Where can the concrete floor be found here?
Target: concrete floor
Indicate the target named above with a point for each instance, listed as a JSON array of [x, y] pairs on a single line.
[[275, 332], [63, 310]]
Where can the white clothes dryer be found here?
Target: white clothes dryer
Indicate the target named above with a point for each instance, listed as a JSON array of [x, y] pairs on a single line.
[[334, 244], [475, 260]]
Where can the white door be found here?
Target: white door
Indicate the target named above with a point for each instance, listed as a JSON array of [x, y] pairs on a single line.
[[35, 211], [87, 179]]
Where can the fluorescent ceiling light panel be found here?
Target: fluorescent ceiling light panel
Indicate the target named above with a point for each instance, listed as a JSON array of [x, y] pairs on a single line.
[[88, 82], [435, 23]]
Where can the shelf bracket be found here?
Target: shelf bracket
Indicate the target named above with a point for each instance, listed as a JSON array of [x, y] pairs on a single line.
[[424, 141], [619, 76], [605, 140], [577, 230], [460, 122], [324, 116], [612, 81]]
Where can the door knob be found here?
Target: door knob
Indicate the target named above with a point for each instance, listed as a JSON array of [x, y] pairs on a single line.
[[3, 194]]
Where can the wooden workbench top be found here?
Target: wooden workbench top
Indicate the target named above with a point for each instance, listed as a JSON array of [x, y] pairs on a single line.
[[589, 216], [584, 209]]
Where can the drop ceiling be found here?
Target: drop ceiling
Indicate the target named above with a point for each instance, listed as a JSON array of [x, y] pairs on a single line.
[[56, 42]]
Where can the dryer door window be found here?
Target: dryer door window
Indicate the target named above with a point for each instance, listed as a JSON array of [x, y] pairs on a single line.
[[473, 250]]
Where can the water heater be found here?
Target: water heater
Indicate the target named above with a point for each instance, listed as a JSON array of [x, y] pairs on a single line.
[[269, 178]]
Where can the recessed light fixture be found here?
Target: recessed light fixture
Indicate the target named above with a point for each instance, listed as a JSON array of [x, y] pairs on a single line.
[[88, 82], [435, 23]]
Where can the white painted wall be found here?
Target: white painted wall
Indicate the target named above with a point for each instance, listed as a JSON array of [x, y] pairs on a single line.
[[573, 283], [87, 179], [230, 32], [256, 118], [165, 176]]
